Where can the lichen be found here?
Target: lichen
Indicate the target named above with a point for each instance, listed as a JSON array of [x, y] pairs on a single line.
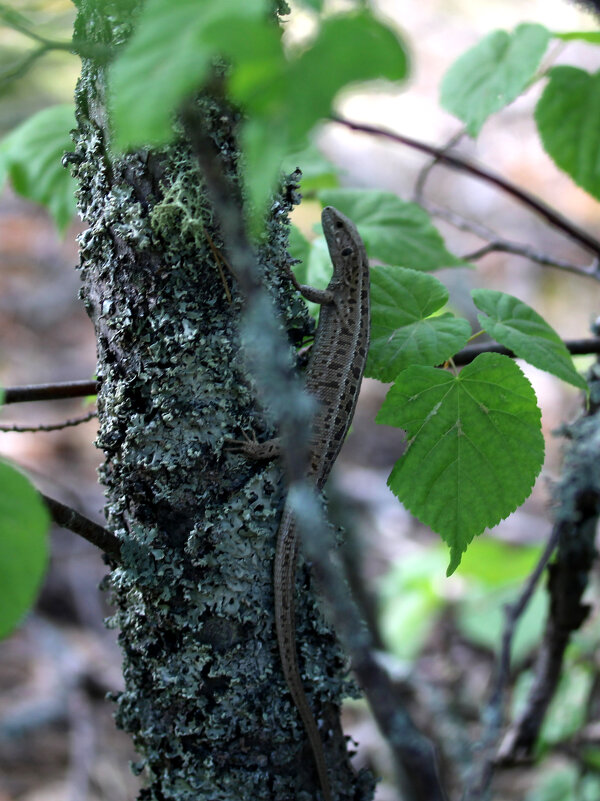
[[204, 695]]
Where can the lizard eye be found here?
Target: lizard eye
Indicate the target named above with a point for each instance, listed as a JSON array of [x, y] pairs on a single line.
[[347, 251]]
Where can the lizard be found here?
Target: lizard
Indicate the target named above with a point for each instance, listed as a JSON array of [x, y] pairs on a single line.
[[333, 377]]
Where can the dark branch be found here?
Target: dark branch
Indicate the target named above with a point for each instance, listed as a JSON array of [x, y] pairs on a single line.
[[68, 518], [577, 511], [81, 389], [426, 170], [274, 373], [74, 421], [462, 164], [497, 243], [44, 392], [576, 347], [493, 714], [414, 754]]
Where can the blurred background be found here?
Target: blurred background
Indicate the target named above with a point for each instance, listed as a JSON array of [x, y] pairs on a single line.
[[57, 738]]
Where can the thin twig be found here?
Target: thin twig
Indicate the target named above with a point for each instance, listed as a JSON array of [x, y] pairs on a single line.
[[551, 216], [415, 757], [74, 421], [576, 347], [43, 392], [493, 714], [426, 170], [21, 67], [498, 243], [527, 252], [218, 259], [66, 517]]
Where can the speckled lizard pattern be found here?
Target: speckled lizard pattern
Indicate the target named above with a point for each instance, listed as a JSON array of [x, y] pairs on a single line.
[[333, 377]]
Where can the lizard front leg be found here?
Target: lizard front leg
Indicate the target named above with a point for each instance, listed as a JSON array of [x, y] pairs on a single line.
[[257, 451]]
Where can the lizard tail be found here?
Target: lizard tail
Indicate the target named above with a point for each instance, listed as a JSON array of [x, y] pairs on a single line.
[[286, 556]]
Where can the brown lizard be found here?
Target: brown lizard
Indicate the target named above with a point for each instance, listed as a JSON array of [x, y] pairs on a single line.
[[333, 377]]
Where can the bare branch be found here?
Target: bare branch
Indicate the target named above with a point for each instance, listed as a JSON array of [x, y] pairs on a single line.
[[500, 244], [576, 347], [44, 392], [66, 517], [426, 170], [462, 164], [75, 421], [576, 516], [493, 715]]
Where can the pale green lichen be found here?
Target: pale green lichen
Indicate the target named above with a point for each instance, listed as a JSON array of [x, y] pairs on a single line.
[[204, 696]]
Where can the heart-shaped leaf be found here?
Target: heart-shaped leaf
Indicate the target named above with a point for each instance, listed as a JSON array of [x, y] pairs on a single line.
[[475, 446]]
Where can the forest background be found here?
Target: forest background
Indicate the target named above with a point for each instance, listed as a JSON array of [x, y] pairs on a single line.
[[56, 669]]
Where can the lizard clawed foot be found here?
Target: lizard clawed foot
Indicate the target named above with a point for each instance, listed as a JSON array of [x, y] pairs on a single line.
[[252, 449], [240, 445]]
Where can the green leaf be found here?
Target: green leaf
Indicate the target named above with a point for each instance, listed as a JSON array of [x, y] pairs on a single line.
[[166, 59], [316, 5], [317, 171], [494, 564], [568, 118], [299, 248], [174, 45], [264, 150], [492, 74], [403, 332], [589, 788], [584, 36], [23, 550], [517, 326], [395, 232], [349, 48], [590, 756], [556, 784], [32, 154], [475, 446], [569, 708], [410, 598], [316, 269], [480, 618]]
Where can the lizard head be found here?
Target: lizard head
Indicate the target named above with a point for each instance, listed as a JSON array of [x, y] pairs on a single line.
[[343, 240]]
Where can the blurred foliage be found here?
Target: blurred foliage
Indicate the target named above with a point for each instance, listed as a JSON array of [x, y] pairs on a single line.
[[48, 80], [415, 593]]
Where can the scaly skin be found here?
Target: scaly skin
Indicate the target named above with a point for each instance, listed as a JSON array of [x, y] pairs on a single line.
[[333, 377]]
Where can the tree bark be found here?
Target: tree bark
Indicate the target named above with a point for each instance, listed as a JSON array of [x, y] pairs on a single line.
[[204, 696]]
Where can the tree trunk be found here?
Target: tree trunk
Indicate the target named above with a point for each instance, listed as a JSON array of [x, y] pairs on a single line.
[[204, 696]]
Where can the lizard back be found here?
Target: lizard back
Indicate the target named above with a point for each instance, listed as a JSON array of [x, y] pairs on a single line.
[[333, 377], [335, 369]]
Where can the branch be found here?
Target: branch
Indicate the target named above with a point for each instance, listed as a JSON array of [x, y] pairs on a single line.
[[576, 347], [576, 517], [480, 781], [75, 421], [43, 392], [414, 754], [462, 164], [21, 67], [498, 243], [428, 167], [66, 517], [266, 348], [501, 245]]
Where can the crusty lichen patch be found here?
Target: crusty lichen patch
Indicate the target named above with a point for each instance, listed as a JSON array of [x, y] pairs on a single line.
[[204, 695]]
